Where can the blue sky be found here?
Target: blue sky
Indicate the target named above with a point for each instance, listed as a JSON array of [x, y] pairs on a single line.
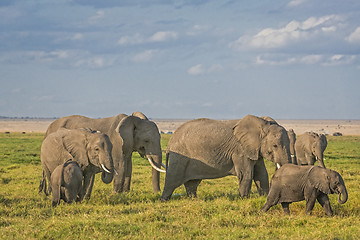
[[293, 59]]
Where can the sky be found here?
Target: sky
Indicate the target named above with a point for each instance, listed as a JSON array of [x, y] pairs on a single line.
[[288, 59]]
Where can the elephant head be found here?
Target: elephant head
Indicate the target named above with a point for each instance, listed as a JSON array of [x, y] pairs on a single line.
[[141, 135], [91, 148], [318, 146], [329, 182], [99, 150], [258, 136]]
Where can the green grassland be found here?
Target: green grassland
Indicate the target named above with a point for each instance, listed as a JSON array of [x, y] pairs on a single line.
[[217, 213]]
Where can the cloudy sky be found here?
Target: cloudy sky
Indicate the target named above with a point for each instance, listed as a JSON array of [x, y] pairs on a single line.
[[289, 59]]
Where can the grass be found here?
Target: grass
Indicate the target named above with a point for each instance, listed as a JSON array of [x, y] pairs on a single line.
[[217, 213]]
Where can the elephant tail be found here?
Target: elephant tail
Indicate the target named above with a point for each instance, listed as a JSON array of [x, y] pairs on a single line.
[[42, 186], [167, 160]]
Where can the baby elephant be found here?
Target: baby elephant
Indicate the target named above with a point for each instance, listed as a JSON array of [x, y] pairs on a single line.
[[293, 183], [66, 181]]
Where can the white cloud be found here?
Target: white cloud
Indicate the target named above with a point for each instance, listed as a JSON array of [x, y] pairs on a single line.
[[322, 60], [97, 17], [354, 37], [198, 29], [145, 56], [77, 36], [94, 62], [295, 3], [200, 69], [156, 37], [196, 70], [131, 40], [294, 31], [163, 36]]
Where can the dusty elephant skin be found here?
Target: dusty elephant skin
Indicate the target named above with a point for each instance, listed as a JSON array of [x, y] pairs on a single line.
[[90, 149], [127, 134], [207, 149], [292, 183], [66, 182], [310, 148]]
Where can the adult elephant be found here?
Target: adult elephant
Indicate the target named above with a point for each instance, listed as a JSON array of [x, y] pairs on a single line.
[[310, 148], [292, 138], [90, 149], [128, 134], [207, 149]]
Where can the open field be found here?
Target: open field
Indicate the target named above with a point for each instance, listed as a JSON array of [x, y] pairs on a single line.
[[217, 213], [346, 127]]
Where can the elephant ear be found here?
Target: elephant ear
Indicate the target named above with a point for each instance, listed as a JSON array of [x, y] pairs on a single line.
[[249, 132], [319, 178], [126, 129], [323, 142], [139, 115], [75, 142]]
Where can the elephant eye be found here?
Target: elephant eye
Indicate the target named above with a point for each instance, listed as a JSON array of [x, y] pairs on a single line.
[[97, 149], [275, 145]]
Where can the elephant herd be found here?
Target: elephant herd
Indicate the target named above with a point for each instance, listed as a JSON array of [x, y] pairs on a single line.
[[75, 148]]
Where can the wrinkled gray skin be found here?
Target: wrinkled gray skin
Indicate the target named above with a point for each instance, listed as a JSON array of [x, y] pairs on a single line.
[[207, 149], [90, 149], [292, 138], [293, 183], [66, 182], [127, 134], [310, 148]]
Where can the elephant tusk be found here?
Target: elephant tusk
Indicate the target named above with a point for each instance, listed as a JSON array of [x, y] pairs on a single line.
[[163, 165], [278, 166], [106, 170], [115, 172], [155, 167], [292, 155]]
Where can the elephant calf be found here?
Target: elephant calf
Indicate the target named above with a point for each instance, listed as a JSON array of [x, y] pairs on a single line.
[[293, 183], [66, 181]]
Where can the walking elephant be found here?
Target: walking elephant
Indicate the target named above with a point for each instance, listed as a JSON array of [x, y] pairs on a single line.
[[90, 149], [127, 134], [292, 183], [207, 149], [66, 182], [292, 138], [309, 148]]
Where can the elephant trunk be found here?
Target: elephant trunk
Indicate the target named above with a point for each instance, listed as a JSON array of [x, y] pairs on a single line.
[[107, 169], [156, 163], [342, 192]]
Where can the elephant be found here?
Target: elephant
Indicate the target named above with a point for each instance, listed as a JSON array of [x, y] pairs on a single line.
[[90, 149], [293, 183], [66, 181], [127, 134], [292, 138], [207, 149], [309, 148]]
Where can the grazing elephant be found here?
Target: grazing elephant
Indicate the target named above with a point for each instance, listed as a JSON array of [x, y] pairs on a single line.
[[66, 181], [292, 138], [207, 149], [292, 183], [127, 134], [90, 149], [309, 148]]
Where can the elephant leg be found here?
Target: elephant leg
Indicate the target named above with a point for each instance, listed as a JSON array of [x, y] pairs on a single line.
[[261, 177], [323, 199], [285, 206], [245, 172], [128, 173], [191, 187], [310, 202], [155, 180]]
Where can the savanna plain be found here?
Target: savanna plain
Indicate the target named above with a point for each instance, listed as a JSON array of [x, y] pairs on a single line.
[[217, 213]]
